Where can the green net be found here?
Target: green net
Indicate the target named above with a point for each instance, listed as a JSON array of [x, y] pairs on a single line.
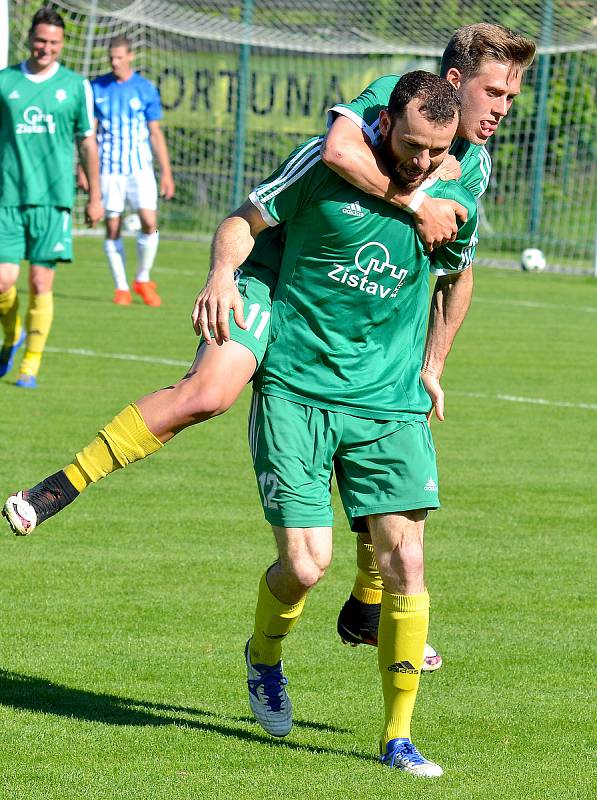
[[243, 82]]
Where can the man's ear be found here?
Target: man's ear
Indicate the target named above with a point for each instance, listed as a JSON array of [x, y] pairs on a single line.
[[384, 122], [454, 76]]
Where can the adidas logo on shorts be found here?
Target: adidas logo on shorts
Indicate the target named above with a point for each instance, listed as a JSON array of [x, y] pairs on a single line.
[[430, 486]]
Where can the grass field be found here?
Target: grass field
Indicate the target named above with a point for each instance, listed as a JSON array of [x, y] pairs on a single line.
[[124, 619]]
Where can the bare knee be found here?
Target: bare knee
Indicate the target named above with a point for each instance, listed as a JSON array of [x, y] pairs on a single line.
[[306, 572], [304, 556], [41, 280], [398, 542], [8, 276], [406, 559]]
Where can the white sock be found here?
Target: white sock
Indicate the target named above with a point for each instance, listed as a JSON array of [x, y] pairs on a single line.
[[147, 247], [114, 250]]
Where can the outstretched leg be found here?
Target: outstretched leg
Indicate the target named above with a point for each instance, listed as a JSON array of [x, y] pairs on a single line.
[[210, 387]]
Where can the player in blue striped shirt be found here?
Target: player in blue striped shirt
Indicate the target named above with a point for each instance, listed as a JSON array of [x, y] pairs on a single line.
[[128, 110]]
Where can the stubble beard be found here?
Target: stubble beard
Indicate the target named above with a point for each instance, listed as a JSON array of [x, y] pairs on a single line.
[[389, 160]]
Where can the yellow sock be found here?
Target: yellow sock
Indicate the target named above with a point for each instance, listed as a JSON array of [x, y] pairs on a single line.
[[37, 324], [273, 621], [9, 315], [403, 625], [124, 440], [368, 584]]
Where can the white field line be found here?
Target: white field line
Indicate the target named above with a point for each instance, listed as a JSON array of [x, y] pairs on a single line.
[[533, 304], [539, 401], [490, 301], [174, 271], [517, 303], [118, 356], [536, 401]]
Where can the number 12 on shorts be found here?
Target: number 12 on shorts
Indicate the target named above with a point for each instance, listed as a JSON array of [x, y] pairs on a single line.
[[254, 316], [268, 484]]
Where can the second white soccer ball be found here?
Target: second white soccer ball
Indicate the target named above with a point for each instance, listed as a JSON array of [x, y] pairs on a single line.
[[532, 260], [132, 223]]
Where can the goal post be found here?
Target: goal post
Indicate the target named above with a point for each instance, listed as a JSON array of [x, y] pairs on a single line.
[[4, 23], [243, 81]]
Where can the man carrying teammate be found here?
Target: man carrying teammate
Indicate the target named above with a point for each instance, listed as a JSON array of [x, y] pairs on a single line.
[[340, 389], [127, 111], [43, 108]]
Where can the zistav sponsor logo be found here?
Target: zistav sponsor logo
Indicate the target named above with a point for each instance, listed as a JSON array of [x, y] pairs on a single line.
[[372, 273], [35, 121]]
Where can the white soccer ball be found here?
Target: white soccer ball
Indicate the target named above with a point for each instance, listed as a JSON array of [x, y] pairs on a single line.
[[532, 260], [132, 223]]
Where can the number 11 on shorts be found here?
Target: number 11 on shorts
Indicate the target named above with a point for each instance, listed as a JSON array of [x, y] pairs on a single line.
[[252, 316]]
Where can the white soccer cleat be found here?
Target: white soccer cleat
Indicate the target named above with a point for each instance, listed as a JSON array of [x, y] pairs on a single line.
[[268, 698], [358, 623], [431, 659], [20, 514], [402, 754], [27, 509]]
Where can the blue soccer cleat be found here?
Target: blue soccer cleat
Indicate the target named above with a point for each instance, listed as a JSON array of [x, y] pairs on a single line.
[[402, 754], [25, 381], [268, 698], [8, 352]]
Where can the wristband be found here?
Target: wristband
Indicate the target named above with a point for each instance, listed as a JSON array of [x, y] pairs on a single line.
[[416, 201]]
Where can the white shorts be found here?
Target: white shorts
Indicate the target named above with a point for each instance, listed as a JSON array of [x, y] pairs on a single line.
[[139, 190]]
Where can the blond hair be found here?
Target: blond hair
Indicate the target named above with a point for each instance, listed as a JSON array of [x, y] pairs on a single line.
[[473, 45]]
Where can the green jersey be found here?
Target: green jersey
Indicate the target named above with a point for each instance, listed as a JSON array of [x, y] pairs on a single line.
[[474, 159], [349, 311], [39, 119]]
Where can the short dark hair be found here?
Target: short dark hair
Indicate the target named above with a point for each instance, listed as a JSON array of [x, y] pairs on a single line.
[[473, 45], [120, 41], [46, 16], [439, 99]]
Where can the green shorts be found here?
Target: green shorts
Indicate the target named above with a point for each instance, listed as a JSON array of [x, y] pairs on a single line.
[[381, 466], [256, 285], [40, 234]]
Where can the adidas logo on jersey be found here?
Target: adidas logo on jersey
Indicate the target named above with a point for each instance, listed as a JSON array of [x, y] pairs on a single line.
[[353, 210], [14, 95], [430, 486]]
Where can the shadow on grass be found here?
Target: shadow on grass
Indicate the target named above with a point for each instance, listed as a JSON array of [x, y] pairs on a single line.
[[28, 693]]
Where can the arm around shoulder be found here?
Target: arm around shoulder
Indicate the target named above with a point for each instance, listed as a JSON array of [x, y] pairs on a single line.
[[346, 150]]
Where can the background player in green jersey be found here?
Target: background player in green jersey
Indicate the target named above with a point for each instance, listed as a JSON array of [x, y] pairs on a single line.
[[43, 108], [340, 389]]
